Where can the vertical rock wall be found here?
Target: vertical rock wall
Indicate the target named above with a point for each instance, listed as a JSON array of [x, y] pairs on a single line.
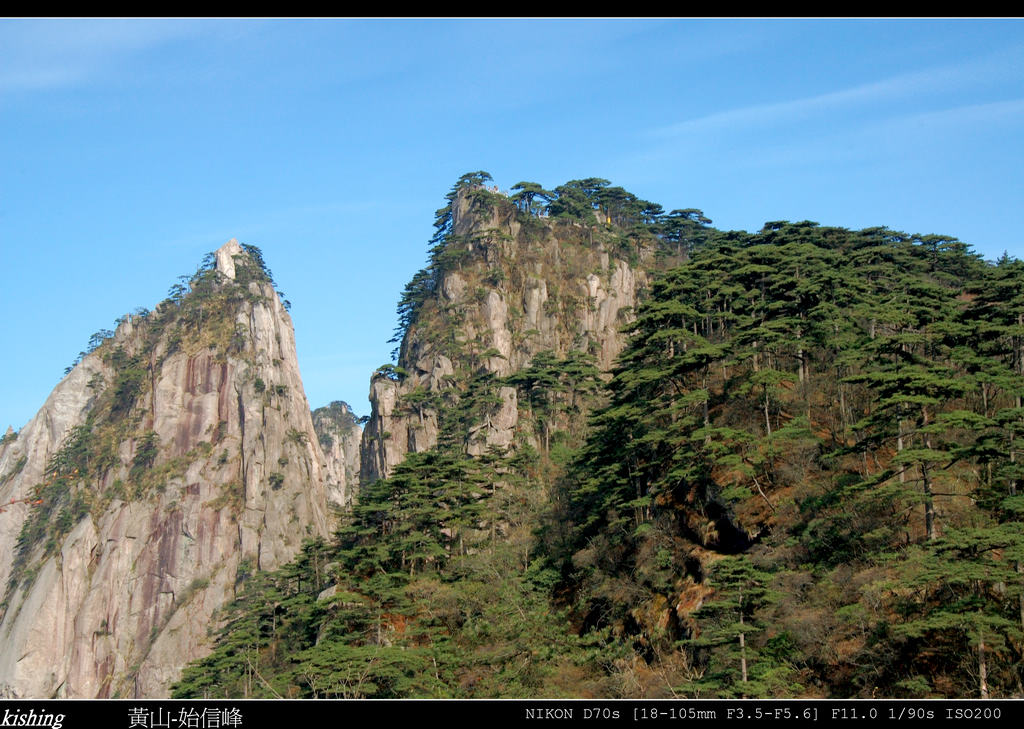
[[236, 485]]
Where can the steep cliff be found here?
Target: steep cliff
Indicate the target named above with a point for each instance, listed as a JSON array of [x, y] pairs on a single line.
[[339, 434], [175, 458], [503, 286]]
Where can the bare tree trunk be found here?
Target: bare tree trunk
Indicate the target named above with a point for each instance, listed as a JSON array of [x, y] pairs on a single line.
[[929, 503], [982, 665], [1020, 372], [1020, 599], [1013, 455], [842, 408], [743, 649], [899, 447], [707, 419]]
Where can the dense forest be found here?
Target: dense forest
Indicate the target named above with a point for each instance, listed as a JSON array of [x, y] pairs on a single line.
[[800, 480]]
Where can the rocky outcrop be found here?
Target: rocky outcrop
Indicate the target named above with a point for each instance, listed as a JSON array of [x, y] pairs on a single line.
[[522, 285], [209, 468], [338, 431], [23, 458]]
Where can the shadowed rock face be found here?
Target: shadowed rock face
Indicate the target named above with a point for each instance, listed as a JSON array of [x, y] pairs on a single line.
[[522, 291], [126, 597]]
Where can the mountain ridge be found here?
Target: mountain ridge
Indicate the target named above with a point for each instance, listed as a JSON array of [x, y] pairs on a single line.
[[619, 453]]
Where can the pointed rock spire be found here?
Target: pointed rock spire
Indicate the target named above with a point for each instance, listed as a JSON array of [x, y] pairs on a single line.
[[226, 257]]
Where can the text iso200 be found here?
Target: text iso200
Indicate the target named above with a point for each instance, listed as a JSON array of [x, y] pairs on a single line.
[[974, 712]]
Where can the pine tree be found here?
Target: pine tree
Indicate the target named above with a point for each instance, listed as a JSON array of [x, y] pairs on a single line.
[[724, 653], [962, 603]]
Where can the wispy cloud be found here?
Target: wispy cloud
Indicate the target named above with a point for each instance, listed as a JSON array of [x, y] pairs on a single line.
[[889, 139], [28, 79], [910, 86], [992, 112], [43, 54]]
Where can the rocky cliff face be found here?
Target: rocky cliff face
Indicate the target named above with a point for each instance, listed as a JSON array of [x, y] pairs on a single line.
[[339, 435], [513, 285], [172, 460]]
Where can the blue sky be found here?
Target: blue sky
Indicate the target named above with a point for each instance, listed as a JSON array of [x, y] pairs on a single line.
[[130, 148]]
